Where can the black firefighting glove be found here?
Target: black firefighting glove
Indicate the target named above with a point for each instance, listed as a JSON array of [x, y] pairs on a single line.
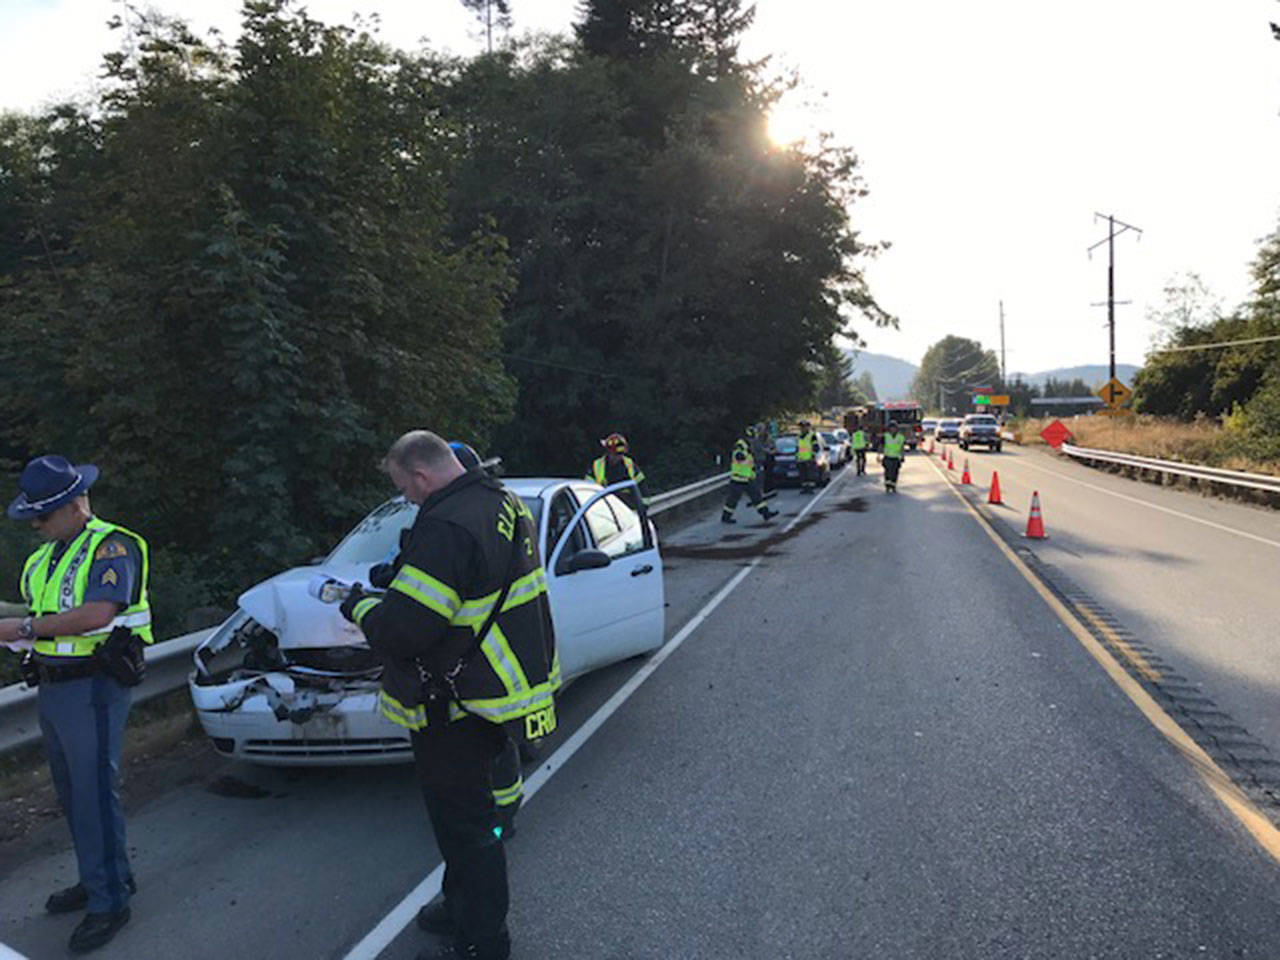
[[349, 605], [381, 575]]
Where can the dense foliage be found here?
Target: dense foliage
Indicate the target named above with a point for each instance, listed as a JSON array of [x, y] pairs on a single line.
[[233, 277], [949, 373]]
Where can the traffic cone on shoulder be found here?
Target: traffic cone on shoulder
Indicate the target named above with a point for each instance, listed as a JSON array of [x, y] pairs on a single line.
[[964, 477], [1035, 523], [994, 496], [951, 461]]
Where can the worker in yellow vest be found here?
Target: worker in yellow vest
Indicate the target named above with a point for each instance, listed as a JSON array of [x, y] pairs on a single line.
[[744, 477], [617, 466], [807, 446], [895, 443], [858, 443], [87, 621]]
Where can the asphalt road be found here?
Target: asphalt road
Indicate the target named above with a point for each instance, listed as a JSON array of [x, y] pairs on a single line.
[[880, 744], [1194, 578]]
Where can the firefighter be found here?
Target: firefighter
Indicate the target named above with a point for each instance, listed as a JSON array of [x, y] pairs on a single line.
[[89, 617], [616, 466], [891, 458], [807, 446], [762, 453], [466, 639], [506, 774], [743, 479], [858, 441]]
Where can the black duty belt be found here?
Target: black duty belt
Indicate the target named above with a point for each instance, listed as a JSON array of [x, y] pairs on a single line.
[[73, 670]]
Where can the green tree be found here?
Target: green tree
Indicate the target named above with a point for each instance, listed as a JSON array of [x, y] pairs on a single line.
[[865, 385], [949, 371]]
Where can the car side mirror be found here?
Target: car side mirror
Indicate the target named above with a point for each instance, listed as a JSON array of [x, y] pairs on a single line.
[[590, 559]]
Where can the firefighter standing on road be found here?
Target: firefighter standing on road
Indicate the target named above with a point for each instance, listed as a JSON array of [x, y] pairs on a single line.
[[86, 590], [858, 441], [744, 479], [807, 446], [470, 595], [891, 458], [616, 466]]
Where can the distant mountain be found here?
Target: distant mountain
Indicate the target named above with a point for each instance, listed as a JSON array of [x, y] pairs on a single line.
[[1093, 374], [891, 376]]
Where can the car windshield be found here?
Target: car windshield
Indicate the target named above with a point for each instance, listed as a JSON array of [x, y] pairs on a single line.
[[830, 439], [785, 445], [376, 538], [950, 423], [983, 419]]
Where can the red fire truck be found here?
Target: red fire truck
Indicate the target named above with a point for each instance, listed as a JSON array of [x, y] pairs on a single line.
[[874, 417]]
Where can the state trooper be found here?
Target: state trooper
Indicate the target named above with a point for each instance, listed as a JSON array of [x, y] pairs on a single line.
[[743, 478], [86, 592], [470, 581]]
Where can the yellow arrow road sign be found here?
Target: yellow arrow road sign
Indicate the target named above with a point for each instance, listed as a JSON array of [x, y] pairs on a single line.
[[1114, 393]]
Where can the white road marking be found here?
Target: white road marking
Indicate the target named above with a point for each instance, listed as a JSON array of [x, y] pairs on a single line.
[[1153, 506], [390, 927]]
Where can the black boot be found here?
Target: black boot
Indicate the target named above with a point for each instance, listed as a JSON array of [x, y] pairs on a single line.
[[767, 514], [727, 518], [435, 918], [96, 930], [73, 898]]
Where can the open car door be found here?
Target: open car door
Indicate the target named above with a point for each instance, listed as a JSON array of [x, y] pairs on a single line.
[[608, 597]]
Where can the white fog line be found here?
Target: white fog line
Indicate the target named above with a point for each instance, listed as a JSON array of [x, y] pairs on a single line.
[[390, 926], [1153, 506]]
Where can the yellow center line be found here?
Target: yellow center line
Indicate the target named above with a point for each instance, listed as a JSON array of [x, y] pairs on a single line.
[[1231, 796]]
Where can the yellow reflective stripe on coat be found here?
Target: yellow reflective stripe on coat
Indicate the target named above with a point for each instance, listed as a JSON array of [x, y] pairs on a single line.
[[436, 595], [415, 718], [473, 613], [362, 608]]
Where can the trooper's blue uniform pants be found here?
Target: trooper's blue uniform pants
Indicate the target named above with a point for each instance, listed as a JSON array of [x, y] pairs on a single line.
[[83, 725]]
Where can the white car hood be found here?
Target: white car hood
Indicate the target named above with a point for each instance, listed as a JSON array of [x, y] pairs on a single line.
[[283, 606]]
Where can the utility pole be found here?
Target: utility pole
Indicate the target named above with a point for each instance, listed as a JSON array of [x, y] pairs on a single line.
[[1003, 373], [1110, 241]]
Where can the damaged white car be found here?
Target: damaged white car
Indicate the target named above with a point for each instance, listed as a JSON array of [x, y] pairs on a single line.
[[287, 681]]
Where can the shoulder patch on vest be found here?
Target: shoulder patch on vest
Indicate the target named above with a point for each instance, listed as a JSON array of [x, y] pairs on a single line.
[[110, 549]]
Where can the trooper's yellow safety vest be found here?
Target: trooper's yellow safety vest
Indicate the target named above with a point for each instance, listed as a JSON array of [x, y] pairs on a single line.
[[48, 591], [893, 444], [805, 446], [858, 441], [742, 469]]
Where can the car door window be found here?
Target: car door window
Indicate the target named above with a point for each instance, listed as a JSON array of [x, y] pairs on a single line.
[[563, 507], [632, 536]]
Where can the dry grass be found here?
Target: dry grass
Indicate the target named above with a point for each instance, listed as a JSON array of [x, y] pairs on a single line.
[[1202, 441]]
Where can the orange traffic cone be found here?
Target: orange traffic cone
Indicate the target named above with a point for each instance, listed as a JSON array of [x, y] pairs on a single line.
[[931, 446], [1035, 523], [964, 477], [951, 461], [994, 496]]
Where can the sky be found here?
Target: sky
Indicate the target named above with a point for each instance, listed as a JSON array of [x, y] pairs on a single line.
[[990, 134]]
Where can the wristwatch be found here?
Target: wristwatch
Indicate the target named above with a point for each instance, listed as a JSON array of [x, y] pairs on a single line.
[[26, 629]]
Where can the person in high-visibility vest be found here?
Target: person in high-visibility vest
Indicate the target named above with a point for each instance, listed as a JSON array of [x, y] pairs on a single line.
[[88, 618], [895, 443], [616, 466], [858, 442], [744, 478], [807, 446]]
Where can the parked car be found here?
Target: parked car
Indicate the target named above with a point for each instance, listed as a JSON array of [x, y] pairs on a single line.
[[927, 426], [947, 430], [838, 451], [287, 681], [980, 429], [786, 472]]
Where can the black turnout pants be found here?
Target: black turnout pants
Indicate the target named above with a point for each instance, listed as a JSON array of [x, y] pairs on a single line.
[[861, 457], [739, 487], [454, 761], [891, 467]]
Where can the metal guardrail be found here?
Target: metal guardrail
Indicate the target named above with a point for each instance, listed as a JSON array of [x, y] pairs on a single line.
[[1231, 478], [169, 661]]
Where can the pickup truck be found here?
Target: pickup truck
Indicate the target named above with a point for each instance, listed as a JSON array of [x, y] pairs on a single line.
[[980, 428]]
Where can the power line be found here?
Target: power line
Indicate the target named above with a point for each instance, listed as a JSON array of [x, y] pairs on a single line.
[[1214, 346], [1110, 241], [565, 366]]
